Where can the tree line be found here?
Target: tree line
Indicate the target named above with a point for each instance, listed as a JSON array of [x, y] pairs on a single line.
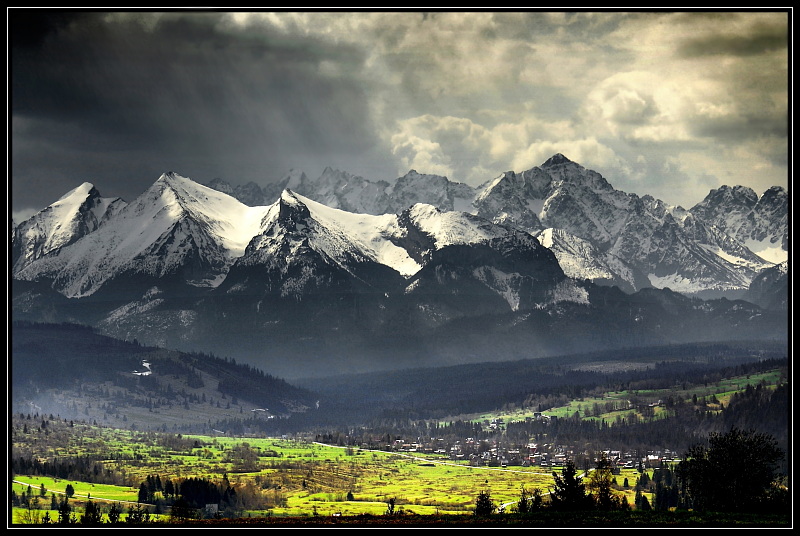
[[734, 471]]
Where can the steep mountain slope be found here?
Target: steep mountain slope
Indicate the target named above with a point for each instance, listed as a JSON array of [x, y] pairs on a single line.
[[177, 230], [760, 223], [580, 259], [314, 273], [770, 288], [639, 241], [76, 214], [664, 243]]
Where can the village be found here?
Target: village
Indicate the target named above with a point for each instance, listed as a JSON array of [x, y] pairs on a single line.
[[495, 452]]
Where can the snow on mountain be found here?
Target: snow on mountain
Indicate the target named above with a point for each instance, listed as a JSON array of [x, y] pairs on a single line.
[[347, 237], [176, 228], [185, 265], [643, 235], [717, 247], [449, 228], [181, 229], [196, 233], [413, 188], [514, 199], [580, 259], [296, 222], [509, 272], [682, 252], [560, 194], [760, 223], [77, 213]]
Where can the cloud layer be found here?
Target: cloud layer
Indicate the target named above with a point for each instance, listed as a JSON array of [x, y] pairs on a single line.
[[670, 104]]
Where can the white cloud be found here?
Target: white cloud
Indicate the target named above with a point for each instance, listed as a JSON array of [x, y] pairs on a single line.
[[588, 152], [469, 152], [421, 154]]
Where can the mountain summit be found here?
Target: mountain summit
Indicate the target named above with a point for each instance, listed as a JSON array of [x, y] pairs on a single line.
[[759, 222], [76, 214], [176, 230], [557, 160], [641, 242], [549, 260]]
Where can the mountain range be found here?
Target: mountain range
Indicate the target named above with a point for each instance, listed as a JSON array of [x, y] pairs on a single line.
[[343, 274]]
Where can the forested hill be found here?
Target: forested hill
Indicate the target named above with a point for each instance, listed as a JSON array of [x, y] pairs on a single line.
[[460, 389], [74, 372]]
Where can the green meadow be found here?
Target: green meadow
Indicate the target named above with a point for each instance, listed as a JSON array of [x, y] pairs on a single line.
[[300, 478]]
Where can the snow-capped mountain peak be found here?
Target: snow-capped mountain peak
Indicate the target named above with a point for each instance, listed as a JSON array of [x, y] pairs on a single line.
[[758, 222], [597, 232], [538, 254], [343, 235], [175, 226], [557, 160], [74, 215], [231, 223]]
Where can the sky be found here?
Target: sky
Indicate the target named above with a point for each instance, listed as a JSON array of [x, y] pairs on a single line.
[[670, 104]]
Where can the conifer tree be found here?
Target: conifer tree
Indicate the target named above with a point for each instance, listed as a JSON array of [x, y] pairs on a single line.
[[92, 514], [569, 492], [734, 472], [484, 505]]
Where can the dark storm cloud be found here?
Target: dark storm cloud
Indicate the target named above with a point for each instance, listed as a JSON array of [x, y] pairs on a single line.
[[131, 96], [118, 98], [743, 127], [762, 38]]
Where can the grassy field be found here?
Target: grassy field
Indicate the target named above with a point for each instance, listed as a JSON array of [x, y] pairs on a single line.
[[315, 479]]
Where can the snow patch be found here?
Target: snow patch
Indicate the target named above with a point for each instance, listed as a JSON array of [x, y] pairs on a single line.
[[368, 233], [504, 284], [677, 283], [568, 291], [410, 288], [148, 372]]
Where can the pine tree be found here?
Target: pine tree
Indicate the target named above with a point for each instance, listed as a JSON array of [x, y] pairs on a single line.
[[484, 505], [65, 513], [114, 514], [138, 514], [601, 486], [569, 492], [91, 514], [735, 472]]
